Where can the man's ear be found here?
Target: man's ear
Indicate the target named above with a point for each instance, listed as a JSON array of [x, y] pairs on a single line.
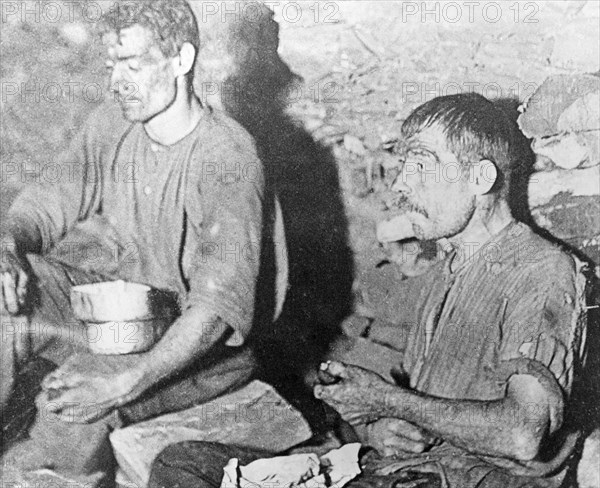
[[185, 60], [482, 176]]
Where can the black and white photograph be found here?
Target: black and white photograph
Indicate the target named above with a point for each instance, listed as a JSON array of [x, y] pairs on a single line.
[[300, 244]]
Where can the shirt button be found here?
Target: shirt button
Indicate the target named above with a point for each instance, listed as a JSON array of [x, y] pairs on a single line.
[[147, 190]]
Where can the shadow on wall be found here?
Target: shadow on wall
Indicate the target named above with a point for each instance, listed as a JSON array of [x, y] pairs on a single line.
[[251, 83]]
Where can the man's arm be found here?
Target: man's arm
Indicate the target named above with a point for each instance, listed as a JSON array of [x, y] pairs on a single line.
[[512, 427], [54, 200], [190, 337], [41, 214]]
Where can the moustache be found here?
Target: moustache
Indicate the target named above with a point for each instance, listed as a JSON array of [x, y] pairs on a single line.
[[404, 205], [414, 207]]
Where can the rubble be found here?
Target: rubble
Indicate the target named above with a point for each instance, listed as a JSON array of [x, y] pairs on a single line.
[[542, 111], [354, 145], [545, 185], [563, 119]]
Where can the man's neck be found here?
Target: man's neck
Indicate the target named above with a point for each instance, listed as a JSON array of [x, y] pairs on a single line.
[[175, 122], [489, 219]]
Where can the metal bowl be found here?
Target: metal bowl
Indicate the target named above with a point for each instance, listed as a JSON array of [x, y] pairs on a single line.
[[125, 337], [119, 300], [122, 317]]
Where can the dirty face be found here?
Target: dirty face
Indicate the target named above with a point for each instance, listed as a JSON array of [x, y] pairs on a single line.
[[435, 186], [141, 77]]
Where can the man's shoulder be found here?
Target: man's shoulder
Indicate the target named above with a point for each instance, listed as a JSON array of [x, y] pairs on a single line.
[[223, 135], [224, 154], [541, 257]]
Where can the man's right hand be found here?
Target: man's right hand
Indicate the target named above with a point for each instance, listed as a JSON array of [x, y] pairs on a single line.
[[14, 275], [391, 437]]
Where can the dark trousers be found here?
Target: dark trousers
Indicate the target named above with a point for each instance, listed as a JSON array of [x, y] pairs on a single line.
[[200, 465], [197, 464]]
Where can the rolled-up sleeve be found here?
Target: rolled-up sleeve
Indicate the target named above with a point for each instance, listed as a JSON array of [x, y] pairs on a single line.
[[547, 327], [224, 210]]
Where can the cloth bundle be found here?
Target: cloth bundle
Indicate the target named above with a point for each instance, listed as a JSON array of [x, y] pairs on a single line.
[[336, 468]]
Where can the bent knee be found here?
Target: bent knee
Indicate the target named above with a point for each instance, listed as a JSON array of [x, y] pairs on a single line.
[[189, 465]]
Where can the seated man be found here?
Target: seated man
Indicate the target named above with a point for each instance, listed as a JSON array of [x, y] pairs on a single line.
[[495, 330], [173, 197]]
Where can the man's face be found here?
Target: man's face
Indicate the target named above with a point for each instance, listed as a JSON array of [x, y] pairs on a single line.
[[142, 78], [435, 185]]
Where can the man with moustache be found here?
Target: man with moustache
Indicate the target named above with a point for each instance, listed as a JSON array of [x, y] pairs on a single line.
[[495, 336], [155, 199]]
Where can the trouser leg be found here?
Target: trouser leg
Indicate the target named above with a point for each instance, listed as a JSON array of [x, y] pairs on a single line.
[[196, 464], [51, 332], [13, 353]]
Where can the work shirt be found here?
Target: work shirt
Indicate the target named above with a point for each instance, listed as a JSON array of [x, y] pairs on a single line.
[[192, 219], [186, 218], [516, 306]]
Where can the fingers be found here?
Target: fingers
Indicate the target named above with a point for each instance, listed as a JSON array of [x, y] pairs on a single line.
[[67, 381], [329, 374], [82, 415], [53, 383], [356, 418], [65, 406], [14, 289], [396, 445], [319, 392], [9, 294], [410, 431], [324, 377], [58, 380], [334, 368], [22, 287]]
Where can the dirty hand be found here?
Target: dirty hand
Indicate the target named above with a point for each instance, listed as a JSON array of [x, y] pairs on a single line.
[[391, 437], [88, 387], [358, 395], [14, 274]]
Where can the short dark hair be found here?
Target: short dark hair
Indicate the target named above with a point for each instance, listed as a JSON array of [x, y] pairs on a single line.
[[475, 129], [172, 22]]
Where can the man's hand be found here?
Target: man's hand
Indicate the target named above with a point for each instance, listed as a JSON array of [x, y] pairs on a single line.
[[88, 387], [358, 395], [14, 275], [391, 437]]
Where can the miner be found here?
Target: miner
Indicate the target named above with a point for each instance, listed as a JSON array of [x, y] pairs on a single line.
[[152, 199]]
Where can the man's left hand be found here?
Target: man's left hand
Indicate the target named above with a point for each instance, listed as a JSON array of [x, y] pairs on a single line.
[[88, 387], [358, 395]]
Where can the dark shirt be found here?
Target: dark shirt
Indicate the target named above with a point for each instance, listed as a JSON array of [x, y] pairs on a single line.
[[188, 218]]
